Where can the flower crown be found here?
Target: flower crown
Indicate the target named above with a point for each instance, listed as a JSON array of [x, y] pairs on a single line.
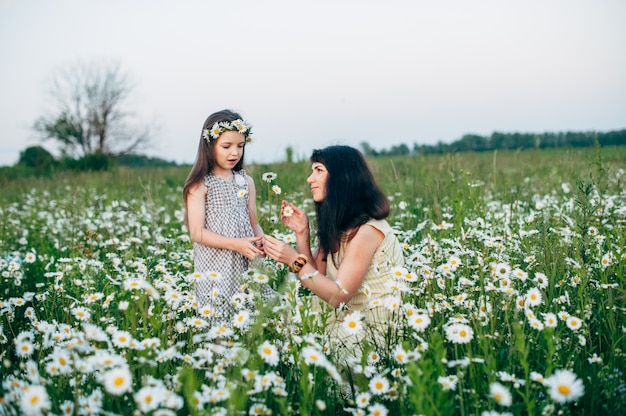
[[220, 127]]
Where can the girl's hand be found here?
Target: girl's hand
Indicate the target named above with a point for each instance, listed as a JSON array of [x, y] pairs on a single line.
[[294, 218], [250, 247], [279, 250]]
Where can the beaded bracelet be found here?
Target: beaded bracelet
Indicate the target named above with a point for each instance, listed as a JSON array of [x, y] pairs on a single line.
[[298, 263]]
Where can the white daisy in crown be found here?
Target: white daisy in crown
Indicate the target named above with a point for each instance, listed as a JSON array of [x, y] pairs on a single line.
[[220, 127]]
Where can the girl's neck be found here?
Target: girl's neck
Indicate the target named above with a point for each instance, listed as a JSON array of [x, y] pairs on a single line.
[[222, 173]]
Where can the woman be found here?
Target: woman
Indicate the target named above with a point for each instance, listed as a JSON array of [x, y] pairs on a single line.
[[357, 249]]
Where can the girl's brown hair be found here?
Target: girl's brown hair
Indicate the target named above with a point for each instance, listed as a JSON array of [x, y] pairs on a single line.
[[205, 162]]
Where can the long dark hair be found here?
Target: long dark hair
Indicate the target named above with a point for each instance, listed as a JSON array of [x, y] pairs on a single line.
[[352, 196], [205, 162]]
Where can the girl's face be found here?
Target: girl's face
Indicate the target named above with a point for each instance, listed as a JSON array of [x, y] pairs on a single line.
[[227, 151], [318, 179]]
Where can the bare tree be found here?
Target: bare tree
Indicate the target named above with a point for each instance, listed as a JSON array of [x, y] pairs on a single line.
[[88, 114]]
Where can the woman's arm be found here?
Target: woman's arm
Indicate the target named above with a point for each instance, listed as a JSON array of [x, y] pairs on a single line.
[[356, 261], [199, 234]]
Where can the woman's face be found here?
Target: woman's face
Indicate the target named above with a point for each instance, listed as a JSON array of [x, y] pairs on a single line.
[[317, 179]]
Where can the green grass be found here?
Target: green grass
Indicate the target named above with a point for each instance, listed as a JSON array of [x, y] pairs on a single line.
[[89, 259]]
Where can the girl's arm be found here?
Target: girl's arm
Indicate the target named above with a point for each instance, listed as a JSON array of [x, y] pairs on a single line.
[[356, 261], [199, 234], [254, 220]]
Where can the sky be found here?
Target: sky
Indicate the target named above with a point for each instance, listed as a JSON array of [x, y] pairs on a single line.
[[307, 74]]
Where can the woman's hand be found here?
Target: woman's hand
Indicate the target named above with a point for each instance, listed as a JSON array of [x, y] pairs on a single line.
[[279, 250], [294, 218]]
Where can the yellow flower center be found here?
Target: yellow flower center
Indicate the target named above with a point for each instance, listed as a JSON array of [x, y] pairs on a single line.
[[564, 390]]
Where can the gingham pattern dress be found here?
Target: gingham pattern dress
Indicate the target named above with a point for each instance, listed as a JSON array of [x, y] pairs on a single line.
[[225, 213]]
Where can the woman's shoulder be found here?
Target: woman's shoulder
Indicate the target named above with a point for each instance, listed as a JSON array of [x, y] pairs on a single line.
[[381, 225]]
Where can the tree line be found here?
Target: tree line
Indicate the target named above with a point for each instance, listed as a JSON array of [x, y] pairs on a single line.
[[505, 141], [91, 121]]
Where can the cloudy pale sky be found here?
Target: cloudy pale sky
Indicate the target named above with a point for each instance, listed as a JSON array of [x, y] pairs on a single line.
[[307, 74]]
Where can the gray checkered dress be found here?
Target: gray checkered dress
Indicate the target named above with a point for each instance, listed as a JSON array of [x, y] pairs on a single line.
[[226, 213]]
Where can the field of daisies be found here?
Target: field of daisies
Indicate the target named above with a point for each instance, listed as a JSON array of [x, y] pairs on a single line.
[[512, 299]]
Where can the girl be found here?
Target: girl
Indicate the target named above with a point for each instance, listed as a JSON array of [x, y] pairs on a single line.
[[357, 252], [220, 202]]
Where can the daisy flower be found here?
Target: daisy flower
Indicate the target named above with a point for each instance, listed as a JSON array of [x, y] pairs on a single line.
[[400, 354], [118, 381], [34, 400], [269, 353], [378, 409], [61, 360], [534, 297], [148, 398], [260, 278], [393, 303], [563, 315], [419, 321], [520, 274], [536, 324], [500, 394], [287, 211], [121, 339], [24, 348], [379, 385], [352, 323], [538, 377], [373, 357], [81, 313], [564, 386], [501, 270], [550, 320], [363, 399], [459, 333], [399, 272], [573, 323], [67, 408], [241, 319], [205, 312], [269, 176], [454, 262], [449, 382], [276, 189], [258, 409]]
